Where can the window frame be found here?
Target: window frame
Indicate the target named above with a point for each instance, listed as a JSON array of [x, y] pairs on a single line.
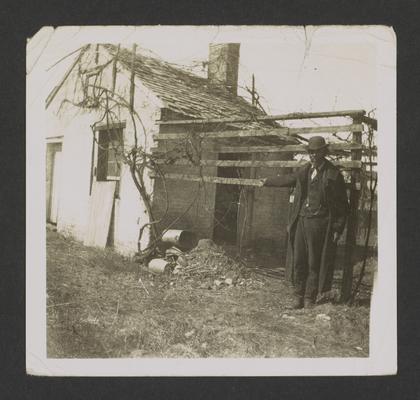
[[105, 137]]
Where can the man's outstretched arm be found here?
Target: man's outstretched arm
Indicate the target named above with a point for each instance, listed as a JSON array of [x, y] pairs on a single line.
[[287, 180]]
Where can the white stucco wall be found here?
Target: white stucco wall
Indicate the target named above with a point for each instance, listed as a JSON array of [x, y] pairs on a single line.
[[75, 180], [75, 126], [130, 212]]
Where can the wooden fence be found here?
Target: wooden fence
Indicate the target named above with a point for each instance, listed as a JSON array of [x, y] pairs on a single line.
[[214, 141]]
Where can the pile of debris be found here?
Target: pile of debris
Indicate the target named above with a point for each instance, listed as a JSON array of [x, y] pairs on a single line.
[[208, 260], [205, 260]]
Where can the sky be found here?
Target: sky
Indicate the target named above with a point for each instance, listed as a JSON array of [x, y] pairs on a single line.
[[313, 68]]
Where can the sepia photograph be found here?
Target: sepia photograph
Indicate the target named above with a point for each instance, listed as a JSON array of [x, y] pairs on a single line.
[[211, 200]]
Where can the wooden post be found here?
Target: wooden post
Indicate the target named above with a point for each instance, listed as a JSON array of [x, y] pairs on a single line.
[[132, 78], [114, 69], [92, 163], [346, 286], [253, 90], [97, 54], [250, 195]]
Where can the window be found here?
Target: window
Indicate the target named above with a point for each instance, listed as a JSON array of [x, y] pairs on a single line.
[[110, 148]]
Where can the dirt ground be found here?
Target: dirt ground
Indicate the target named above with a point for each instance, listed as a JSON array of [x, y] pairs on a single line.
[[101, 305]]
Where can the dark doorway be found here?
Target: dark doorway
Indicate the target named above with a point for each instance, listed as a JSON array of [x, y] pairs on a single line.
[[227, 202]]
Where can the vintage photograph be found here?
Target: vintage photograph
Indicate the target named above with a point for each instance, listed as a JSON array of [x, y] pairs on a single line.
[[211, 192]]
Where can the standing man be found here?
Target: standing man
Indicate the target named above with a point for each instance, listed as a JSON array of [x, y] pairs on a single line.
[[316, 222]]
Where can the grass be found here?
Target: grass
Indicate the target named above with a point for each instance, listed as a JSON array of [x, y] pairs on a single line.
[[98, 307]]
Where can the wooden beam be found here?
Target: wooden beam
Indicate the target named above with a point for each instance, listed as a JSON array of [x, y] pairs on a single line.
[[254, 163], [250, 200], [133, 73], [347, 283], [279, 132], [114, 68], [279, 117], [374, 175], [212, 179], [370, 121], [54, 92], [291, 148], [111, 125]]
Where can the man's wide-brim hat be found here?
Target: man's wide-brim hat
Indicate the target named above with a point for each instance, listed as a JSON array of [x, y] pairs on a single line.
[[316, 143]]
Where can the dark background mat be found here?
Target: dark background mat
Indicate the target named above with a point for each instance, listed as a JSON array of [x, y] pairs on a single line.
[[20, 20]]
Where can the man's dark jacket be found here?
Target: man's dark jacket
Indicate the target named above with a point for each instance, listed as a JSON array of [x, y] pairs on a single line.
[[335, 197]]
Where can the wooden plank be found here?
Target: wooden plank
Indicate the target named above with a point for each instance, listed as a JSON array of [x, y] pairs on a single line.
[[110, 125], [279, 132], [100, 209], [368, 173], [212, 179], [114, 68], [370, 121], [278, 117], [347, 283], [54, 92], [250, 203], [324, 129], [255, 163], [289, 148], [55, 186], [133, 73]]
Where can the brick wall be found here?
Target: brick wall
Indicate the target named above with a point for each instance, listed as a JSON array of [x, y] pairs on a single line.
[[271, 207], [191, 204]]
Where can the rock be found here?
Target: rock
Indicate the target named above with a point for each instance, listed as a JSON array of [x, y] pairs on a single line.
[[177, 269], [189, 334], [136, 353], [233, 276], [182, 261], [358, 348], [205, 285], [229, 281], [323, 318], [217, 282], [289, 352], [285, 316]]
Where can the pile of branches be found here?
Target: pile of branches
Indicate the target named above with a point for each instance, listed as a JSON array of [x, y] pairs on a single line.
[[211, 262]]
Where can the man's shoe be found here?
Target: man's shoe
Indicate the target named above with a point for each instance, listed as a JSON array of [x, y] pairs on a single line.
[[297, 303], [308, 303]]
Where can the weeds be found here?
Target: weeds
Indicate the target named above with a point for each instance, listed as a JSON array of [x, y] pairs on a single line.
[[97, 307]]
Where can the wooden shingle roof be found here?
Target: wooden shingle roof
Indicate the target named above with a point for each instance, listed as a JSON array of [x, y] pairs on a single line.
[[184, 92]]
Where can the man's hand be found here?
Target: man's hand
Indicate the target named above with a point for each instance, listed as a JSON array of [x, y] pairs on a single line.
[[336, 237]]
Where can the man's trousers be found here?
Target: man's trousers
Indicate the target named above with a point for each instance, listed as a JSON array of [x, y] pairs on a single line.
[[308, 245]]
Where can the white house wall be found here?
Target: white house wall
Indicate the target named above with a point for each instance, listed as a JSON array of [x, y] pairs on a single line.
[[130, 212], [76, 160], [75, 126]]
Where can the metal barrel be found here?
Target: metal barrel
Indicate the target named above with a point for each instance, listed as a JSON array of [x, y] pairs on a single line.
[[181, 238]]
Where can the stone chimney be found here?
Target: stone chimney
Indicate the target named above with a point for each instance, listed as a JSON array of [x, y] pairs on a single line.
[[223, 66]]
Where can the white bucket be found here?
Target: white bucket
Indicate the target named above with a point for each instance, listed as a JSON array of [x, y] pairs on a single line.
[[159, 266]]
